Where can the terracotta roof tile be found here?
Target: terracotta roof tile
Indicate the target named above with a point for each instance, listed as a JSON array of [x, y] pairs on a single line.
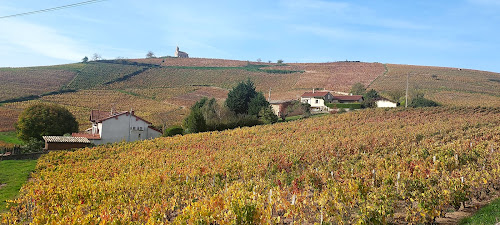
[[314, 94], [88, 136]]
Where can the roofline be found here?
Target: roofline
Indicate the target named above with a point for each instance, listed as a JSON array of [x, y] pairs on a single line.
[[122, 113]]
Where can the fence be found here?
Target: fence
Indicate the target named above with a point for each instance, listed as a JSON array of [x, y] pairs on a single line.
[[16, 153]]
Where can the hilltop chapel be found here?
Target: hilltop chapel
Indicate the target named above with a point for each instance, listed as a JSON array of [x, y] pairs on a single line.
[[180, 54]]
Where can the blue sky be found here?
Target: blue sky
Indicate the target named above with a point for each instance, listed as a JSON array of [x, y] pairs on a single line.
[[461, 33]]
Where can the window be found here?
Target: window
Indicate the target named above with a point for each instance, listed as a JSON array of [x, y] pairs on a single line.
[[139, 136], [317, 101]]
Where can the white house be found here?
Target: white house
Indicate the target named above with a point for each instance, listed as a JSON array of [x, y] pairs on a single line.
[[111, 127], [317, 100], [385, 103]]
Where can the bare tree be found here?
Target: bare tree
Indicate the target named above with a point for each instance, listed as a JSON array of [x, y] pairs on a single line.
[[259, 60], [150, 54], [96, 57]]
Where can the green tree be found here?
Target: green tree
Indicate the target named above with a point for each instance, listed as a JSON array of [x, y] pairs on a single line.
[[239, 98], [85, 59], [195, 122], [358, 89], [257, 103], [280, 61], [267, 115], [45, 120], [369, 98]]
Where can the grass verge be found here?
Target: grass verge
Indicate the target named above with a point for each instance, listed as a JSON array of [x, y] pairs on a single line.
[[13, 174], [10, 137], [490, 214]]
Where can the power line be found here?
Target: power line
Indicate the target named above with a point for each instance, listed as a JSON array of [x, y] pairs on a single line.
[[53, 9]]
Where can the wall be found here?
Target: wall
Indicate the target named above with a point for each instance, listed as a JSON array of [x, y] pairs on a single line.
[[64, 146], [385, 104], [312, 102], [122, 127]]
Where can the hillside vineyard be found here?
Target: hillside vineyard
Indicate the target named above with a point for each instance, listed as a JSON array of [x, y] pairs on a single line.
[[372, 165]]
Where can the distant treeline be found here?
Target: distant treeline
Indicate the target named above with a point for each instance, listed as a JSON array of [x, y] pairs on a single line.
[[33, 97]]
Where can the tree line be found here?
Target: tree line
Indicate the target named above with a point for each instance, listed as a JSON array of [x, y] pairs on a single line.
[[244, 106]]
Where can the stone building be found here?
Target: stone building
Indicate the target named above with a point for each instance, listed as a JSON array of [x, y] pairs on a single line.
[[180, 54]]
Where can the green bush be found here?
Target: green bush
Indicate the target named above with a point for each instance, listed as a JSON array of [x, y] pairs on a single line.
[[344, 105], [420, 101], [173, 130]]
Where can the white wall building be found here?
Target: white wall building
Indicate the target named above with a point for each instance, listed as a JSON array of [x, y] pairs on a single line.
[[385, 103], [317, 100], [111, 127]]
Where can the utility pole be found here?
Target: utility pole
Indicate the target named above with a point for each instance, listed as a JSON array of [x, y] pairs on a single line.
[[406, 98], [269, 99]]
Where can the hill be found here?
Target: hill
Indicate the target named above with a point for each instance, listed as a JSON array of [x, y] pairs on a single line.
[[395, 166], [160, 89], [448, 86]]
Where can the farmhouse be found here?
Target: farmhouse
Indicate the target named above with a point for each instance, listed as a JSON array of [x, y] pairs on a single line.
[[180, 54], [111, 127], [317, 100], [64, 143], [385, 103]]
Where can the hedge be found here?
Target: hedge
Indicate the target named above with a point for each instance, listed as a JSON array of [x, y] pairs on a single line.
[[344, 105]]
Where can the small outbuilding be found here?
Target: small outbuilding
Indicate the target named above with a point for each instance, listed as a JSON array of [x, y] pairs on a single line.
[[385, 103], [65, 143], [280, 106]]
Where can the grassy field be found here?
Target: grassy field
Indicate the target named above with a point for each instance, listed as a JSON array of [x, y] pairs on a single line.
[[489, 214], [13, 174], [9, 139]]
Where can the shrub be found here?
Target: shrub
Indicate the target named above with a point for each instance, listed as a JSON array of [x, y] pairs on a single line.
[[344, 105], [45, 119], [422, 102], [173, 130]]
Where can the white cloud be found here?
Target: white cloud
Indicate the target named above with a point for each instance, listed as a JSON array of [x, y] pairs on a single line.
[[27, 37]]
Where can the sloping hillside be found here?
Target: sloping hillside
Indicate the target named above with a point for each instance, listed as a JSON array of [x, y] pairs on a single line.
[[395, 166], [15, 83], [449, 86], [170, 85]]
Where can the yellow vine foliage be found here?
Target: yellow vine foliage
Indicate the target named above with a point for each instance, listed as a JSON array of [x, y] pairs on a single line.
[[370, 166]]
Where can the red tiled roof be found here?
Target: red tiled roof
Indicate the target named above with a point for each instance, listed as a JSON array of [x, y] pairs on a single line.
[[99, 116], [88, 136], [314, 94], [348, 97]]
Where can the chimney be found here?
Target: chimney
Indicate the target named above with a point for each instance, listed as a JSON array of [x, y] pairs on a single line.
[[313, 90]]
